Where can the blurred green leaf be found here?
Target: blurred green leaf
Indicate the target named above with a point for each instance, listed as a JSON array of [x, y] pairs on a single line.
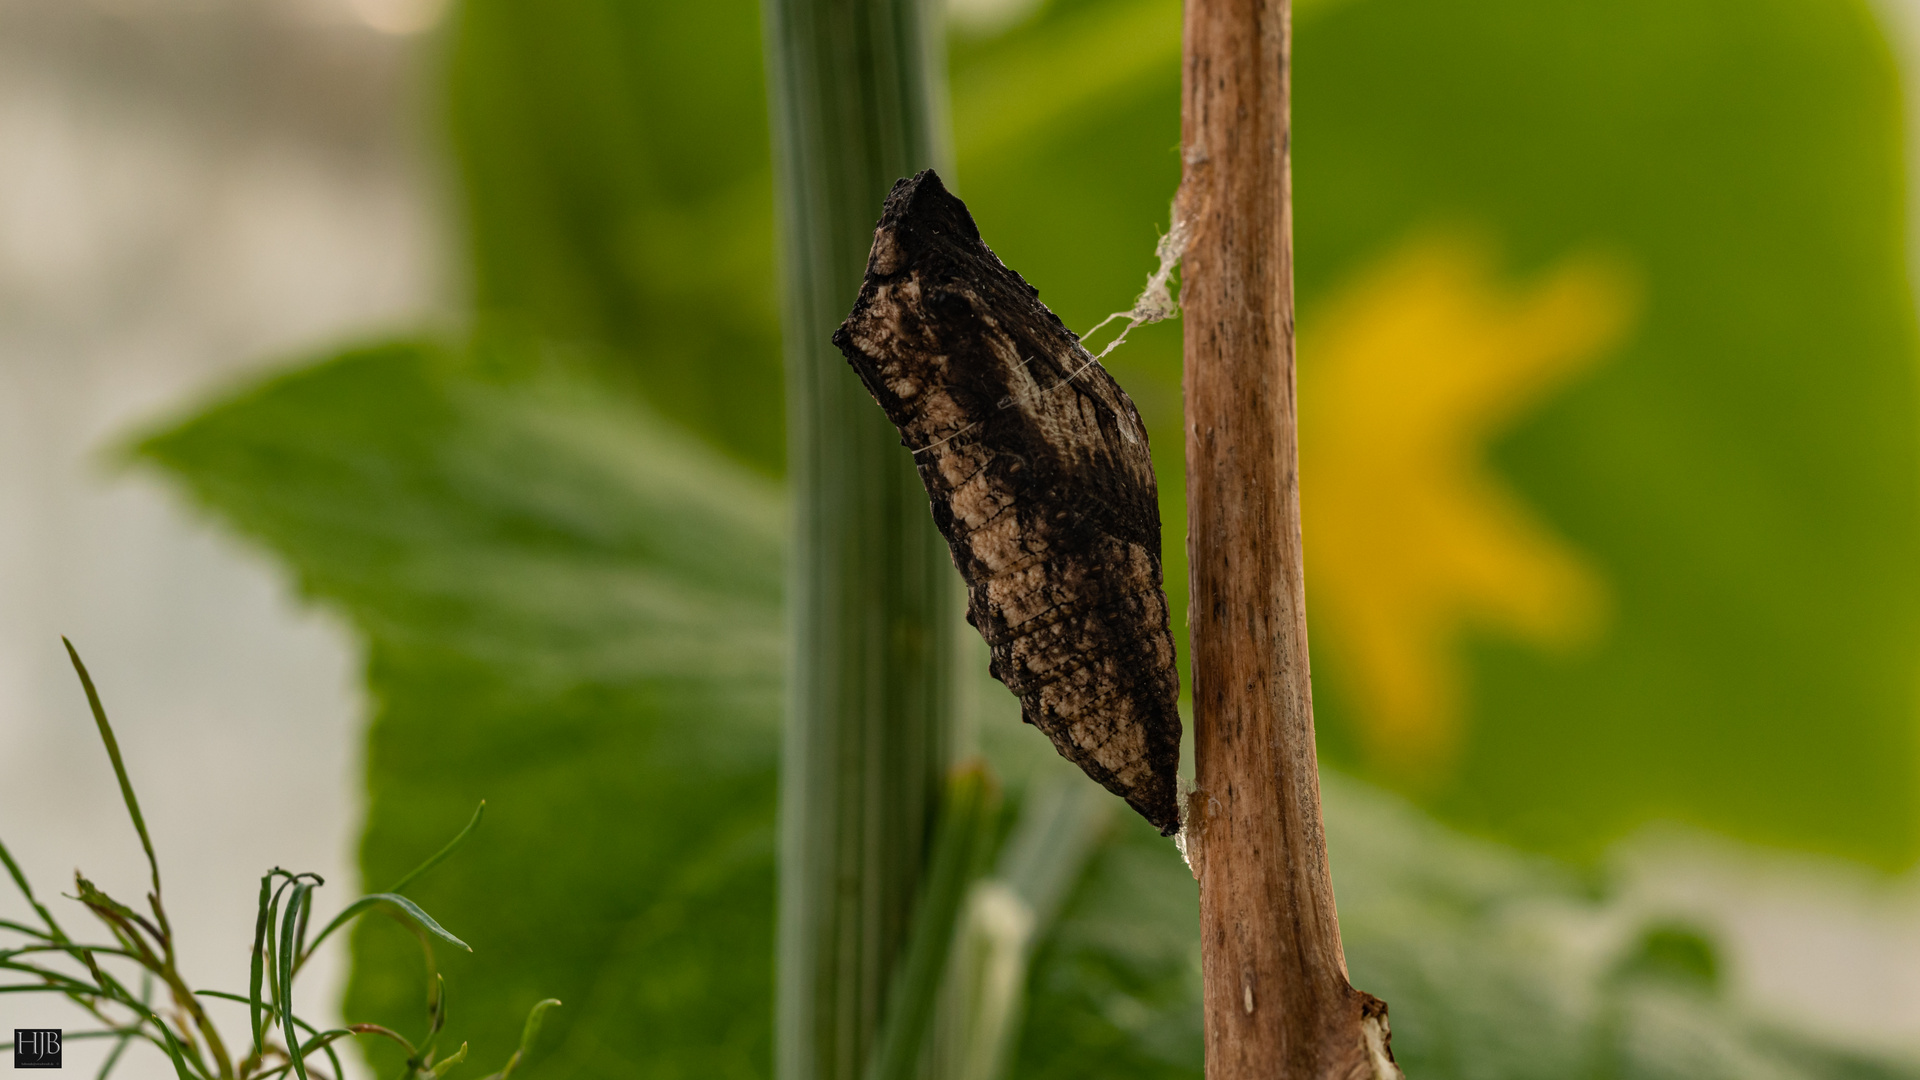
[[570, 609], [1495, 965], [1032, 85], [1677, 952], [619, 197]]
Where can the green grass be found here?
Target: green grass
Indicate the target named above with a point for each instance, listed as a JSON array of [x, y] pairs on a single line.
[[98, 976]]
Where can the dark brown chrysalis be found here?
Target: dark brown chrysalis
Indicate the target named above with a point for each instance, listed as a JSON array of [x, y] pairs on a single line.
[[1037, 466]]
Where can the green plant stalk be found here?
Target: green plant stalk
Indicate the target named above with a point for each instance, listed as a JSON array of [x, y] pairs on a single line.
[[856, 105], [1059, 826], [967, 818]]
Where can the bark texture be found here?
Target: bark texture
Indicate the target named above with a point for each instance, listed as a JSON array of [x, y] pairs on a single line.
[[1278, 1003], [1038, 470]]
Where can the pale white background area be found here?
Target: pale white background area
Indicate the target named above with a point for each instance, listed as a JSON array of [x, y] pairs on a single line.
[[196, 190], [190, 191]]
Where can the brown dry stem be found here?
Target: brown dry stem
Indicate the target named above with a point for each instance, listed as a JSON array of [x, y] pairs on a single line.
[[1277, 999]]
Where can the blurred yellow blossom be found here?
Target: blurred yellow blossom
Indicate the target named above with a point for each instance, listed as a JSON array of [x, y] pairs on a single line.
[[1407, 374]]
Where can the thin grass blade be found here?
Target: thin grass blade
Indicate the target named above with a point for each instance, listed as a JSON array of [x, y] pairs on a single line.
[[270, 1012], [257, 965], [120, 1048], [339, 1073], [300, 931], [440, 856], [407, 907], [113, 1056], [108, 1033], [386, 1032], [324, 1040], [535, 1017], [52, 980], [120, 772], [444, 1067], [23, 928], [357, 1029], [172, 1046], [66, 950], [26, 890], [297, 900], [273, 944], [436, 1011]]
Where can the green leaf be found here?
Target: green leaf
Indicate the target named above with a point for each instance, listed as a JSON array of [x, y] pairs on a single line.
[[619, 195], [574, 609], [1486, 957]]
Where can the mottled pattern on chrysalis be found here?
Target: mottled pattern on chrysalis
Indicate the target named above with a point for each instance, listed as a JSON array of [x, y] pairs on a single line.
[[1037, 466]]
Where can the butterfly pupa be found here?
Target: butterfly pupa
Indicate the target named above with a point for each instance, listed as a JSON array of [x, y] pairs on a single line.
[[1038, 470]]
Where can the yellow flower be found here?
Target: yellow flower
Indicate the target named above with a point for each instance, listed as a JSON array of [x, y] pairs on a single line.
[[1406, 375]]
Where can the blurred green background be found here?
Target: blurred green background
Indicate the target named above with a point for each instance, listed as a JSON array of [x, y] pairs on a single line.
[[1609, 416]]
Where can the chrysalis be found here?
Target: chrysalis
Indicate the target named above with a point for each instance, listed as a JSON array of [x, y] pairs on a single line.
[[1037, 466]]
